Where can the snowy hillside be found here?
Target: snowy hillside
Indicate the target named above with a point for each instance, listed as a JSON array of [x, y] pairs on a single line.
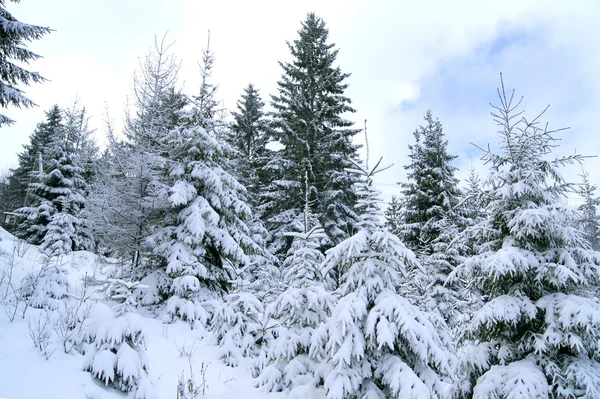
[[171, 348]]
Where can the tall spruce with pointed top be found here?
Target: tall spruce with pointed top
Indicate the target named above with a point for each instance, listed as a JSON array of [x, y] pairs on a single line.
[[249, 138], [431, 190], [308, 121], [589, 221], [535, 336], [39, 140], [377, 344], [13, 35]]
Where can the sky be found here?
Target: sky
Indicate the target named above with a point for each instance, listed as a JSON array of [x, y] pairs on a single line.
[[405, 57]]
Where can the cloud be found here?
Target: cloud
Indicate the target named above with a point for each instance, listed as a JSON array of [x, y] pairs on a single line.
[[404, 56]]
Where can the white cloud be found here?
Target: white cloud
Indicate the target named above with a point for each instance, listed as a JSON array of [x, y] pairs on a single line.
[[404, 57]]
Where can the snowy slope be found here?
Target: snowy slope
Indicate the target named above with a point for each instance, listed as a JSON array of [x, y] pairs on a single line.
[[25, 373]]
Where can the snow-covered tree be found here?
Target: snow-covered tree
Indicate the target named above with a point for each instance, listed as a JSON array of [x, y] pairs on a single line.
[[534, 336], [589, 221], [116, 354], [249, 138], [393, 215], [431, 190], [429, 220], [127, 200], [80, 136], [29, 158], [236, 322], [13, 36], [377, 344], [205, 239], [47, 287], [54, 219], [308, 121], [299, 310]]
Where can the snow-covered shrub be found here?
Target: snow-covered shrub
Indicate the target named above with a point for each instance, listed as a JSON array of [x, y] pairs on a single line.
[[69, 320], [116, 354], [47, 287], [40, 331], [535, 335], [236, 324], [376, 343]]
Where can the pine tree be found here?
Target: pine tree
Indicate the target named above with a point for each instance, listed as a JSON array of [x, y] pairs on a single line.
[[13, 35], [393, 215], [54, 221], [116, 354], [29, 165], [81, 137], [377, 344], [430, 221], [431, 191], [299, 310], [249, 138], [535, 335], [316, 138], [205, 239], [589, 221]]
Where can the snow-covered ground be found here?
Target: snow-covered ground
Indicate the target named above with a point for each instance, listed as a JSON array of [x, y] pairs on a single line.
[[25, 373]]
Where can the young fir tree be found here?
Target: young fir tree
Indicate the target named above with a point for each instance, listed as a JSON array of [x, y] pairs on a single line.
[[54, 219], [29, 159], [13, 36], [377, 344], [299, 310], [393, 215], [534, 336], [205, 238], [116, 353], [589, 221], [308, 121]]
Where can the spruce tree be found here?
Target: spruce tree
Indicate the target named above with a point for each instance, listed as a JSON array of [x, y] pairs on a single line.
[[205, 239], [377, 344], [308, 121], [249, 138], [393, 215], [430, 221], [431, 190], [80, 136], [29, 159], [13, 36], [54, 219], [299, 310], [535, 335], [589, 221]]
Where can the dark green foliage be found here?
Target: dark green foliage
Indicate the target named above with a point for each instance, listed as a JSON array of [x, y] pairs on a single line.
[[249, 138], [393, 215], [18, 181], [316, 140], [431, 191], [13, 35]]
